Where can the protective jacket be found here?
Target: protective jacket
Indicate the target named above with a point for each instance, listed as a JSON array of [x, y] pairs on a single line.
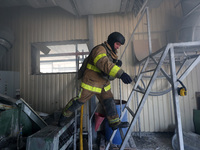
[[100, 61]]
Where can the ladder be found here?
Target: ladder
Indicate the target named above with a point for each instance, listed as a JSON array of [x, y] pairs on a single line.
[[168, 54]]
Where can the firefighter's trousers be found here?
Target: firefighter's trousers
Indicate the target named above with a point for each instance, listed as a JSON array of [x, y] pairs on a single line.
[[105, 98]]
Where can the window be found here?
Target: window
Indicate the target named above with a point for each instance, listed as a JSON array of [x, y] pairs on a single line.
[[58, 57]]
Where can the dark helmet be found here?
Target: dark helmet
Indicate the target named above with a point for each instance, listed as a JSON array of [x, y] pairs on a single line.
[[116, 37]]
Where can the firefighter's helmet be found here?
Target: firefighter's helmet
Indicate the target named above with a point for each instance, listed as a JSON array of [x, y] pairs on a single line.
[[116, 37]]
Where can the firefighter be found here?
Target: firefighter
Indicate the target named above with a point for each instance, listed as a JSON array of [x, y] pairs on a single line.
[[102, 66]]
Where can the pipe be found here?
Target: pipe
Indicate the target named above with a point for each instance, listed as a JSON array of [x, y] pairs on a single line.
[[81, 128]]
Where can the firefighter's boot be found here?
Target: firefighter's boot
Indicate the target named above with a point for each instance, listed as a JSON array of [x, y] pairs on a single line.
[[121, 125], [68, 111], [64, 120], [112, 115]]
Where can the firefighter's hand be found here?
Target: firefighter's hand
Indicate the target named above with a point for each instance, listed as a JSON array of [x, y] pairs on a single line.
[[119, 63], [126, 78]]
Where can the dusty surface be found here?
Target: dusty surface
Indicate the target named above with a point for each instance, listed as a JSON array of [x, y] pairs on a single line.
[[153, 141], [146, 141]]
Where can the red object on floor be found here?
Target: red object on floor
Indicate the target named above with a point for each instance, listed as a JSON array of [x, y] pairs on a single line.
[[98, 120]]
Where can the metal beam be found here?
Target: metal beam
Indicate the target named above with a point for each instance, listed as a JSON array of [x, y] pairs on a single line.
[[65, 54], [189, 69], [144, 98], [75, 7], [174, 84], [191, 11]]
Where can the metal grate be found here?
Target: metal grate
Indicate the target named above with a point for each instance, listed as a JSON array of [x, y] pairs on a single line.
[[137, 6], [64, 138], [52, 137]]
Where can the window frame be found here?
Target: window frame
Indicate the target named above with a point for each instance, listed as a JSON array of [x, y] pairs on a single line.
[[42, 46]]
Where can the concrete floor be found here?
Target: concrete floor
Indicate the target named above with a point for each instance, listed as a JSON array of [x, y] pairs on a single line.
[[147, 141], [154, 141]]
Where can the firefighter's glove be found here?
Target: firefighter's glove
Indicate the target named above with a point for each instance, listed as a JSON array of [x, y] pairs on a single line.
[[126, 78], [119, 63]]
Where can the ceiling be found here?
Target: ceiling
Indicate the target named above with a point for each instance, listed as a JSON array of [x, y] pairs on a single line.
[[87, 7]]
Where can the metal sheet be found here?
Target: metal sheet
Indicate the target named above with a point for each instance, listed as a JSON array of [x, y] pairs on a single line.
[[31, 113], [51, 138]]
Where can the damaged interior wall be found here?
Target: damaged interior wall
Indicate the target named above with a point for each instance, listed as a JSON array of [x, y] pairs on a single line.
[[48, 93]]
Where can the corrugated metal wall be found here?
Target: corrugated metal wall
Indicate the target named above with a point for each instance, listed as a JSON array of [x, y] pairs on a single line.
[[45, 93], [48, 93]]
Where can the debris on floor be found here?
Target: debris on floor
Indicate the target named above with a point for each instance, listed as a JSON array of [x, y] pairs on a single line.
[[153, 141], [102, 143], [191, 141], [144, 141]]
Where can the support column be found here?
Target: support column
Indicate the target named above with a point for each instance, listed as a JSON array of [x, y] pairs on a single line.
[[91, 136], [175, 95]]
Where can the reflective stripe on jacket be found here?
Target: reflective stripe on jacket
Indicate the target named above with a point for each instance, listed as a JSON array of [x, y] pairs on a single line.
[[100, 60], [95, 89]]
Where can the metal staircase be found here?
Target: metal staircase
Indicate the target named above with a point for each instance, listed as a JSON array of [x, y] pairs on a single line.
[[170, 55], [190, 49]]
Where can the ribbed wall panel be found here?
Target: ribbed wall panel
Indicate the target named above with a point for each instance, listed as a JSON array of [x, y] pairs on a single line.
[[45, 93], [48, 93]]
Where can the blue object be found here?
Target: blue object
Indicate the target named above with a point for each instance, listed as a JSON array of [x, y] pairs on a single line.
[[108, 130]]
